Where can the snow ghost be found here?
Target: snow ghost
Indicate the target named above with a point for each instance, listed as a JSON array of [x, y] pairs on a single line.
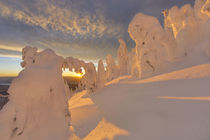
[[177, 18], [101, 76], [122, 55], [112, 69], [191, 28], [38, 100], [88, 81], [150, 51]]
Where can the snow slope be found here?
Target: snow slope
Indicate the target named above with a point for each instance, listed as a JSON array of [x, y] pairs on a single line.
[[172, 106]]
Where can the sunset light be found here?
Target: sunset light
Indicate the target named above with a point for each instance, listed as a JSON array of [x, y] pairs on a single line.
[[104, 69], [66, 72]]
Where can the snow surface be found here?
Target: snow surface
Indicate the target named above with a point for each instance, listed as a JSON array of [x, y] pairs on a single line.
[[170, 107]]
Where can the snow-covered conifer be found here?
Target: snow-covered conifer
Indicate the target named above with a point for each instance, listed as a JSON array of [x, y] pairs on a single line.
[[122, 55], [101, 76], [112, 69]]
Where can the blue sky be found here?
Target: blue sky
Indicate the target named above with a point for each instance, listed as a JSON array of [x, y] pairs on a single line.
[[86, 29], [9, 66]]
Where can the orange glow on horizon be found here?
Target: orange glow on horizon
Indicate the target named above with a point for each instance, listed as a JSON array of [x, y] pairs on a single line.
[[8, 74], [71, 74]]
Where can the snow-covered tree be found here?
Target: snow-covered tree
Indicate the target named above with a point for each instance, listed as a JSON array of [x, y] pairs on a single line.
[[122, 55], [112, 70], [101, 76], [190, 26], [74, 64], [88, 81], [150, 52], [38, 106]]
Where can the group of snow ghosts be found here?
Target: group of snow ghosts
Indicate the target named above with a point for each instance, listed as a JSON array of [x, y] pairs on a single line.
[[40, 87], [156, 46]]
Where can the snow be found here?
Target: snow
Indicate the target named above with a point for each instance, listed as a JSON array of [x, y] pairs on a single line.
[[28, 54], [191, 28], [90, 77], [158, 91], [38, 101], [150, 53], [111, 69], [166, 96], [122, 55], [184, 37], [101, 76], [174, 106]]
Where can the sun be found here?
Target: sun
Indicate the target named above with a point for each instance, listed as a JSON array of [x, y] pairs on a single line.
[[67, 73]]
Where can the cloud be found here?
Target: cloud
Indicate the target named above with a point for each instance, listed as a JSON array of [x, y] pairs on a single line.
[[11, 48], [10, 53], [52, 16], [83, 49], [86, 29]]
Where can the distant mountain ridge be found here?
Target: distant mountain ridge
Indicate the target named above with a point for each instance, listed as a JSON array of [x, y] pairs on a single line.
[[6, 80]]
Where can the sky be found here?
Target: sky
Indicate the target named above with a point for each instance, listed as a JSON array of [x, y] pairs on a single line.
[[85, 29]]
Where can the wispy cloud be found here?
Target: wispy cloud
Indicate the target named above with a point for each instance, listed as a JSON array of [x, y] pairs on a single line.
[[9, 53], [11, 48], [88, 29], [51, 16]]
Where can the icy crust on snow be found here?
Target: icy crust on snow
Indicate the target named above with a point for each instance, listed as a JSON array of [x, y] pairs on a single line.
[[38, 108]]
